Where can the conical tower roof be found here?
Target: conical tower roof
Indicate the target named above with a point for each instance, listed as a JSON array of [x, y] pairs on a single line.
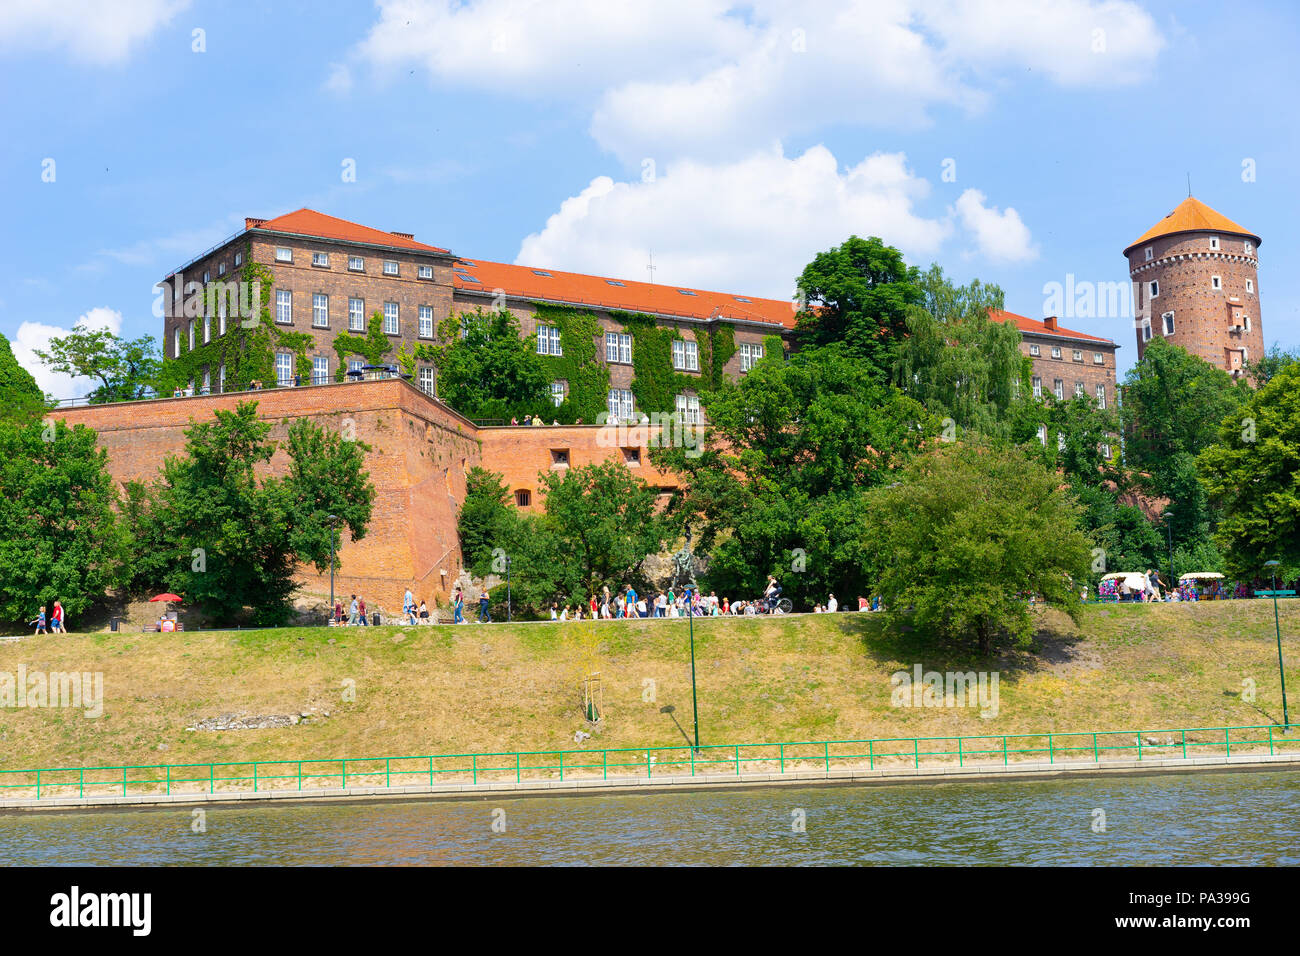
[[1192, 215]]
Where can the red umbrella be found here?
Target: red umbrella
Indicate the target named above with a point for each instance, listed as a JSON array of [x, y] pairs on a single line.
[[169, 598]]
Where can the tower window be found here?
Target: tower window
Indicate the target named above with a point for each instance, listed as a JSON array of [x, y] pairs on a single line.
[[1168, 319], [1250, 285], [1250, 247], [1214, 242], [1155, 288], [1216, 283], [523, 498], [1150, 254]]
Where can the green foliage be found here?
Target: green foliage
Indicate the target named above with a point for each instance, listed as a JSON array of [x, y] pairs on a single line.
[[1252, 472], [484, 516], [125, 368], [967, 536], [655, 383], [1129, 541], [485, 370], [62, 539], [373, 346], [580, 365], [231, 542], [776, 487], [857, 296], [1262, 369], [21, 399]]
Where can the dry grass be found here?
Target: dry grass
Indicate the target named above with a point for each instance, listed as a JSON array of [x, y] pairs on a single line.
[[445, 689]]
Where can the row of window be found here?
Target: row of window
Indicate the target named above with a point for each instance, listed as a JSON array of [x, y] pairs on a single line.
[[1104, 447], [1150, 254], [1216, 283], [321, 260], [320, 314], [618, 350], [221, 270], [285, 372], [1058, 389], [1098, 358], [1240, 323]]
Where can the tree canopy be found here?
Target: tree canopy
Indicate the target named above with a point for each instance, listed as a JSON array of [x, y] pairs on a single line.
[[125, 369], [486, 370]]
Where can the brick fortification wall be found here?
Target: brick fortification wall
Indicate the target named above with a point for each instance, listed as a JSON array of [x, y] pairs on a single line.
[[420, 452]]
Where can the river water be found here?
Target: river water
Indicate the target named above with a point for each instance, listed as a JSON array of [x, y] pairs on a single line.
[[1229, 818]]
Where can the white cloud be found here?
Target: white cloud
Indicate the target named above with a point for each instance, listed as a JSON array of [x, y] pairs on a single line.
[[748, 226], [999, 236], [89, 30], [717, 79], [36, 335]]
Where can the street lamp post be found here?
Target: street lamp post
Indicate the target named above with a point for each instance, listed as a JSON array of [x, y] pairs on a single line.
[[1277, 628], [690, 617], [507, 589], [1169, 528], [333, 525]]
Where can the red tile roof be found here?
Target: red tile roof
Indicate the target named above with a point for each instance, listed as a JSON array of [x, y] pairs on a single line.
[[625, 294], [1026, 324], [309, 222], [1192, 215]]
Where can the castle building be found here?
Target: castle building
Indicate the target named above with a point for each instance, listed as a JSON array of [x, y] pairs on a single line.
[[1197, 285]]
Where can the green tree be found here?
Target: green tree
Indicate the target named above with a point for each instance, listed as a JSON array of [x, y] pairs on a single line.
[[21, 399], [62, 539], [1262, 370], [232, 542], [967, 535], [856, 298], [125, 368], [1253, 473], [485, 515], [486, 370]]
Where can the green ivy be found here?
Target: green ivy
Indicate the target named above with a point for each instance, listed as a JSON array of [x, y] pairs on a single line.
[[580, 365], [372, 346], [655, 383]]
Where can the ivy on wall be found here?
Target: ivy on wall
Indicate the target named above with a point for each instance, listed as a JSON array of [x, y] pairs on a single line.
[[655, 383], [372, 346], [580, 365]]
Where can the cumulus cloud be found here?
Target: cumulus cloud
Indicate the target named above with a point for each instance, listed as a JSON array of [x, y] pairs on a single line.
[[89, 30], [999, 236], [717, 79], [36, 335], [748, 226]]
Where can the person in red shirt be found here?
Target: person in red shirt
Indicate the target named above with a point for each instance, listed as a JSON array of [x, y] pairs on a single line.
[[56, 620], [361, 608]]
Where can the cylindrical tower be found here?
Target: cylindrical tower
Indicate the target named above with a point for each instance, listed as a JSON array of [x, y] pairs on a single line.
[[1196, 284]]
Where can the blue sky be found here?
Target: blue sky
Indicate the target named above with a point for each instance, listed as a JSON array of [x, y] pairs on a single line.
[[732, 141]]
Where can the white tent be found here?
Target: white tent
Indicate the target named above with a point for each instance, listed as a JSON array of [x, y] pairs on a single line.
[[1136, 579], [1200, 576]]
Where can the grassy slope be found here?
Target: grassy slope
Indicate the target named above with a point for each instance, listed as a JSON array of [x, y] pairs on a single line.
[[499, 688]]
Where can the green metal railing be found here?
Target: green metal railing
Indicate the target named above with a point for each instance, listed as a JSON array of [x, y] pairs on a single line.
[[521, 766]]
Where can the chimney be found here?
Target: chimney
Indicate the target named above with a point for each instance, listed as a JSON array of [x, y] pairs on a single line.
[[1050, 323], [404, 235], [250, 223]]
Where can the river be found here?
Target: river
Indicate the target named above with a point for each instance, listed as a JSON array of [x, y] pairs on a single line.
[[1204, 818]]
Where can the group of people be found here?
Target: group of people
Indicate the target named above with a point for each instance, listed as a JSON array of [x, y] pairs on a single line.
[[537, 420], [356, 612], [55, 621]]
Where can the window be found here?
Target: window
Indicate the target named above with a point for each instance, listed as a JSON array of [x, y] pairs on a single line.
[[613, 282], [1098, 358], [207, 276], [741, 298], [618, 348], [467, 277], [207, 329], [390, 267], [1078, 390], [191, 335], [1078, 355], [1105, 450], [686, 356], [632, 456], [1214, 242], [559, 458], [686, 292], [1035, 350], [1216, 283], [176, 344], [1154, 288], [356, 264], [543, 273], [1101, 396], [426, 379], [392, 325], [1146, 331], [283, 254], [424, 272], [1168, 319], [320, 370], [426, 322], [522, 497], [221, 268], [1058, 389], [557, 393], [1038, 387], [221, 377], [1246, 320], [283, 306], [320, 311], [239, 259], [284, 368], [207, 381], [1149, 254], [749, 356], [1249, 247], [320, 259], [221, 316], [1056, 351], [688, 409], [356, 315], [1042, 434], [1250, 285], [548, 340], [620, 404], [354, 364], [1060, 441]]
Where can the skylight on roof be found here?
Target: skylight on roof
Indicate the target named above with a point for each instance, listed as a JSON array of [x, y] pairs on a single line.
[[467, 262], [686, 292], [612, 282], [541, 272], [467, 277], [741, 298]]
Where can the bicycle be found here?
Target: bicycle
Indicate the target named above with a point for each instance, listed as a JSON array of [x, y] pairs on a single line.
[[776, 605]]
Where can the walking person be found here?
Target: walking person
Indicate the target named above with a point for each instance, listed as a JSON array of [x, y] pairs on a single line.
[[39, 622], [458, 606], [352, 612], [361, 606], [408, 603], [56, 620], [484, 616]]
